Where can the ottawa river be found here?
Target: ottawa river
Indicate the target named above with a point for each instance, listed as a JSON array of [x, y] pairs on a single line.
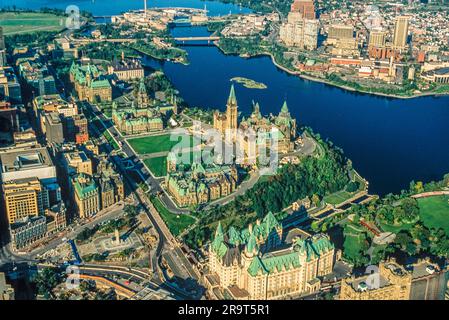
[[390, 141]]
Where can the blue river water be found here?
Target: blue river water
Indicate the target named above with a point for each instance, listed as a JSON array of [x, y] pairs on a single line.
[[113, 7], [390, 141]]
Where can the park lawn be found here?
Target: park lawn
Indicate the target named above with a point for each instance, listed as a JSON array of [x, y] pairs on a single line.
[[158, 166], [354, 240], [153, 144], [338, 197], [434, 212], [28, 22], [176, 223], [395, 229]]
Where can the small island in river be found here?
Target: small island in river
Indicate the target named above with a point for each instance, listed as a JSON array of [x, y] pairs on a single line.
[[248, 83]]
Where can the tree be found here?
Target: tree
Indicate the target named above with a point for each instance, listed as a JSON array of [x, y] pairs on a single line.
[[316, 200], [46, 280], [315, 226]]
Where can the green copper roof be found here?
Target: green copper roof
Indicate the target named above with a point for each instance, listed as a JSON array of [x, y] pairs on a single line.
[[100, 84], [232, 99], [234, 236], [218, 244], [84, 190], [284, 108], [256, 266], [252, 246]]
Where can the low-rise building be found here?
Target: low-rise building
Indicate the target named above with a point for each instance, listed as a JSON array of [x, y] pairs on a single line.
[[37, 77], [10, 89], [6, 291], [90, 84], [86, 195], [27, 231], [126, 69], [138, 118], [438, 75], [200, 184], [77, 162], [31, 162], [24, 198], [391, 281]]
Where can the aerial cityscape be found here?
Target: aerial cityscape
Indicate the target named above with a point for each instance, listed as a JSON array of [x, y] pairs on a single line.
[[226, 150]]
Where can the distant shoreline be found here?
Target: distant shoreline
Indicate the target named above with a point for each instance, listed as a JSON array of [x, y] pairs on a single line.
[[324, 81]]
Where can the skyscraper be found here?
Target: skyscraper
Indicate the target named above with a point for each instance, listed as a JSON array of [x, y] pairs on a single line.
[[377, 39], [400, 32], [299, 31], [305, 7]]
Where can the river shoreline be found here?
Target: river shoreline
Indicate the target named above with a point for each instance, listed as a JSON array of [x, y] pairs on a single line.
[[324, 81]]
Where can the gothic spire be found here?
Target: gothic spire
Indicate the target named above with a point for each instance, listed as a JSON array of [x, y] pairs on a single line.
[[232, 99], [284, 108]]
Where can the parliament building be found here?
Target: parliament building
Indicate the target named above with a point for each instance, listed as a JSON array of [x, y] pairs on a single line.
[[90, 84], [277, 132], [199, 184], [138, 118]]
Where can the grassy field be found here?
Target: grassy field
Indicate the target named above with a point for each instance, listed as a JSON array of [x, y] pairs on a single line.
[[153, 144], [338, 197], [435, 212], [28, 22], [395, 229], [176, 223], [354, 240], [158, 166]]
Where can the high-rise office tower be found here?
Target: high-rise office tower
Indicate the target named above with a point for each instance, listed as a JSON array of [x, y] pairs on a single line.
[[400, 32], [377, 39], [339, 31], [305, 7]]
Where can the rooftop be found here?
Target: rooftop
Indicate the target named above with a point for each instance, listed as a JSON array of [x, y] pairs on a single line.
[[17, 160]]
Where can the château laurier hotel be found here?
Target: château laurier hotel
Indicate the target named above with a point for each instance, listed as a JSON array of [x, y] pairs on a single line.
[[263, 262]]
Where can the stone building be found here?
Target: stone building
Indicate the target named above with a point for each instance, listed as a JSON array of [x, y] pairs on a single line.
[[126, 69], [24, 198], [200, 184], [89, 83], [86, 195], [106, 173], [26, 231], [227, 123], [422, 280], [257, 132], [138, 119], [263, 262], [6, 291]]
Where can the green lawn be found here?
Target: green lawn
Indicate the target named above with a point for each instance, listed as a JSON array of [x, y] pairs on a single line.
[[338, 197], [28, 22], [395, 229], [153, 144], [176, 223], [434, 212], [157, 165], [354, 239]]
